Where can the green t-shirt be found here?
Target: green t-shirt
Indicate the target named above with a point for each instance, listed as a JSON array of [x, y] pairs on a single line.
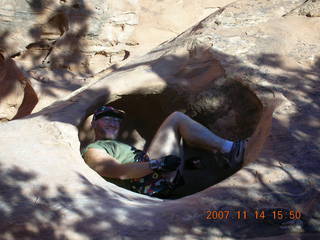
[[122, 152]]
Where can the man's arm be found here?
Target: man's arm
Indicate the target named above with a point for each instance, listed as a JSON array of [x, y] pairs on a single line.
[[108, 166]]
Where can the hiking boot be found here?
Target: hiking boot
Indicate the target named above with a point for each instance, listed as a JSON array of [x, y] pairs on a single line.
[[235, 157]]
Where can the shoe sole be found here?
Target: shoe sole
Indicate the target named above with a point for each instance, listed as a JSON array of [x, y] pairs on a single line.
[[237, 153]]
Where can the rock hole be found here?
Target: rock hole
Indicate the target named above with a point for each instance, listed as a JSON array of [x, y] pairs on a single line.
[[227, 107]]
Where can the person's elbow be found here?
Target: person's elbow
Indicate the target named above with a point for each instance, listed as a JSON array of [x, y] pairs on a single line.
[[111, 170], [103, 164]]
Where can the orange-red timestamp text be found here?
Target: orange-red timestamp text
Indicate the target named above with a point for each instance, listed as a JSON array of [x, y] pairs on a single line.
[[275, 214]]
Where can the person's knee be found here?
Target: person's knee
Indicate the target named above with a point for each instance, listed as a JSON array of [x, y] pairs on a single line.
[[177, 116], [175, 119]]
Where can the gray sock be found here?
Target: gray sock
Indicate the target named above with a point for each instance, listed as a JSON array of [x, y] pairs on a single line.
[[227, 146]]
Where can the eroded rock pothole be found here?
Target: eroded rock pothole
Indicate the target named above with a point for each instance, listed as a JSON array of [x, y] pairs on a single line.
[[227, 107]]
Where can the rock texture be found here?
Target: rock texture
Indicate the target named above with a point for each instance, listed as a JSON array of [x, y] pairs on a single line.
[[310, 8], [17, 97], [73, 30], [163, 20], [59, 45], [60, 39], [253, 53]]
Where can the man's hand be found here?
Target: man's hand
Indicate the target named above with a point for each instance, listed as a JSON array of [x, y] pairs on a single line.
[[165, 164]]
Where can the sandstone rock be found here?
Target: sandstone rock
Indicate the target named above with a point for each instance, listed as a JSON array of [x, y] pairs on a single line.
[[49, 192], [310, 8], [63, 38], [66, 31], [160, 21], [16, 94], [63, 35]]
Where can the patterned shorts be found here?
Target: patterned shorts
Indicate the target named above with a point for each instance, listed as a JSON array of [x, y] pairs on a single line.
[[154, 184]]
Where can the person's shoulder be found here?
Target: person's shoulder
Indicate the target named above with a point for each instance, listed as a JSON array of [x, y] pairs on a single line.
[[122, 144], [104, 142], [95, 145]]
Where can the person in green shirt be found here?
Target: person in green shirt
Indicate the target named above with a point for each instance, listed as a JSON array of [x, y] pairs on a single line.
[[158, 171]]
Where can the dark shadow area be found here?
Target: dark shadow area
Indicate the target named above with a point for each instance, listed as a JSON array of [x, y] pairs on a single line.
[[68, 41], [4, 40], [10, 75]]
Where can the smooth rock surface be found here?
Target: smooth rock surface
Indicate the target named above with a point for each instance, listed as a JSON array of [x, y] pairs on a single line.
[[160, 21]]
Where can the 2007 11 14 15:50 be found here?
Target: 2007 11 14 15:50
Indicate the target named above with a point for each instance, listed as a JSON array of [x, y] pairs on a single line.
[[275, 214]]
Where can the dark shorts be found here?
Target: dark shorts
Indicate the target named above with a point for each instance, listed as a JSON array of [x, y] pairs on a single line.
[[155, 184]]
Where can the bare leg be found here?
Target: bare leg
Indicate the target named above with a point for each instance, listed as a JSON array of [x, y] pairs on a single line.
[[167, 141], [176, 126]]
